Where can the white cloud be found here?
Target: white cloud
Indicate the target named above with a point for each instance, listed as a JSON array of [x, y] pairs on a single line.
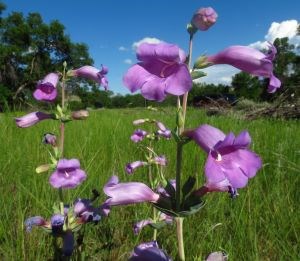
[[123, 49], [219, 74], [286, 28], [153, 40], [128, 61]]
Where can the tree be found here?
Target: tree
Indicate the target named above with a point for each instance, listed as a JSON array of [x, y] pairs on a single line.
[[30, 49]]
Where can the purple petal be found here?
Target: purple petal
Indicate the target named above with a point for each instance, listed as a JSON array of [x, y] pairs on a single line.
[[46, 89], [68, 164], [163, 51], [179, 82], [206, 136], [128, 193], [138, 135], [274, 84], [213, 170], [131, 167], [140, 225], [153, 89], [149, 252], [72, 179], [135, 77], [247, 161], [34, 221], [217, 256], [32, 118], [243, 140]]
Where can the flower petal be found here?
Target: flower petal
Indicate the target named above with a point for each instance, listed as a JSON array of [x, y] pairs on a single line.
[[206, 136], [274, 84], [213, 170], [135, 77], [153, 89], [179, 82]]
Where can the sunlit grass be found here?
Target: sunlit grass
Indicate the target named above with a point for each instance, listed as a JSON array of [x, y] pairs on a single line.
[[261, 224]]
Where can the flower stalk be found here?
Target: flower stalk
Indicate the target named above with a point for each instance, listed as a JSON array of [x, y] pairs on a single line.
[[179, 231]]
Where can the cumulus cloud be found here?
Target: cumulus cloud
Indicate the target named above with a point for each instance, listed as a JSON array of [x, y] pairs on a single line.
[[128, 61], [286, 28], [122, 49], [153, 40], [221, 73]]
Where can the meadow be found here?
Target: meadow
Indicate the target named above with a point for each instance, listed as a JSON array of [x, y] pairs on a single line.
[[263, 223]]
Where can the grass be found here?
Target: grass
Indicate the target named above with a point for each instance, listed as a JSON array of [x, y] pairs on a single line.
[[263, 223]]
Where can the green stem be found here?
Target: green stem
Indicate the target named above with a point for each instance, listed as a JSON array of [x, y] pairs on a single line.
[[179, 231], [154, 218], [178, 175], [185, 96]]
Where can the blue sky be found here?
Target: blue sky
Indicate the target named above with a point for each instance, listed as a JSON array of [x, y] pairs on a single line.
[[105, 26]]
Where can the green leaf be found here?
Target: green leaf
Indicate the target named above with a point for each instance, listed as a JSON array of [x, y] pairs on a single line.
[[197, 74], [188, 186]]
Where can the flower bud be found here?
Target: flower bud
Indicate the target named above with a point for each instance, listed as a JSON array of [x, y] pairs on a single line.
[[204, 18], [49, 138], [80, 115]]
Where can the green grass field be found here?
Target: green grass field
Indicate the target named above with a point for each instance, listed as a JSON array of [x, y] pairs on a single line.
[[263, 223]]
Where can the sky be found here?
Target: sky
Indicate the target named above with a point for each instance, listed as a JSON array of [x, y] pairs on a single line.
[[113, 28]]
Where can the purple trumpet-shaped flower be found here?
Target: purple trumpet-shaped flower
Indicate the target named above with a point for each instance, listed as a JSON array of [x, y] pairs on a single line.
[[32, 118], [131, 167], [204, 18], [161, 71], [57, 223], [138, 135], [84, 209], [251, 61], [149, 251], [49, 138], [92, 73], [35, 221], [46, 88], [137, 227], [128, 193], [230, 163], [163, 131], [67, 174], [160, 160]]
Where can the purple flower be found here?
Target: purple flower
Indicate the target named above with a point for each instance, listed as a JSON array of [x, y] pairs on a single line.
[[230, 163], [35, 221], [67, 174], [49, 138], [32, 118], [161, 71], [204, 18], [84, 209], [137, 227], [46, 88], [92, 73], [57, 223], [163, 131], [130, 167], [138, 135], [149, 251], [251, 61], [160, 160], [128, 193]]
